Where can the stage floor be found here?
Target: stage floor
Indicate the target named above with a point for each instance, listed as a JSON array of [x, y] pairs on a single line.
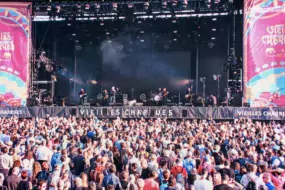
[[174, 112]]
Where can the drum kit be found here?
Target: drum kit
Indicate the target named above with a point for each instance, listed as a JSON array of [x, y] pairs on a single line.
[[155, 97]]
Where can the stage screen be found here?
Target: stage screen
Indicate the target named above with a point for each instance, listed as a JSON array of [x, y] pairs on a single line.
[[14, 52], [264, 53]]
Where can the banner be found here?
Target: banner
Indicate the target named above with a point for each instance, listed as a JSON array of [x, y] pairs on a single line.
[[15, 32], [137, 112], [264, 53]]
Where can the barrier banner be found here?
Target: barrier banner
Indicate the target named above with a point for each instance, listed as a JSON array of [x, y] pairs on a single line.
[[130, 112], [264, 53], [15, 32], [137, 112]]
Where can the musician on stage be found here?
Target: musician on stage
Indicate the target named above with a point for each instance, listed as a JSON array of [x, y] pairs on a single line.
[[105, 97], [113, 95], [189, 96], [82, 95], [164, 96], [213, 101]]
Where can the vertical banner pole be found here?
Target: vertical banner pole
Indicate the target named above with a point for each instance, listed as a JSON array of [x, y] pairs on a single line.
[[197, 68], [74, 78]]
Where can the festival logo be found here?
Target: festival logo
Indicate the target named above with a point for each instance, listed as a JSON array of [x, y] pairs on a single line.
[[264, 53]]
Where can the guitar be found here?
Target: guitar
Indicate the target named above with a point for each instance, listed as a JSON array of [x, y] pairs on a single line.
[[191, 97], [81, 95], [106, 96], [163, 95]]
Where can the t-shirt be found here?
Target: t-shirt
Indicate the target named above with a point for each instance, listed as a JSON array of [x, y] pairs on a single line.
[[203, 184], [178, 169], [79, 163], [223, 187], [270, 186]]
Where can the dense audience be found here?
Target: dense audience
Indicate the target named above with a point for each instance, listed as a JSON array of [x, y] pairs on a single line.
[[145, 154]]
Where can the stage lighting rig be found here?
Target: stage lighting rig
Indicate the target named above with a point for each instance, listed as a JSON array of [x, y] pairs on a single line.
[[82, 10]]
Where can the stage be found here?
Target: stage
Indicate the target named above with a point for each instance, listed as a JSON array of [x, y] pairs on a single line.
[[174, 112]]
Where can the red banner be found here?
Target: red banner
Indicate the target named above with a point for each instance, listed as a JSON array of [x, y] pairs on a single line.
[[264, 53], [15, 33]]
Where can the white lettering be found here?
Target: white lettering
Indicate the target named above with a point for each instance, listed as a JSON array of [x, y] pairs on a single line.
[[82, 112]]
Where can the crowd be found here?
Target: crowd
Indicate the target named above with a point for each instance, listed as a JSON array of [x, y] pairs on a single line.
[[144, 154]]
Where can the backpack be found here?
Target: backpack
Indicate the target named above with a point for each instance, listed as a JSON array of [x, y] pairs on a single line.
[[160, 175], [163, 186], [282, 164], [55, 159], [125, 159], [251, 184], [179, 177], [43, 175], [238, 176], [188, 165]]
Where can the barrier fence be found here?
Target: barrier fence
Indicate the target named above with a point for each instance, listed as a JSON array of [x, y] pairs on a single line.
[[147, 112]]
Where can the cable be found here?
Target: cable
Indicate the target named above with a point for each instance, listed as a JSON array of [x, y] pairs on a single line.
[[43, 38]]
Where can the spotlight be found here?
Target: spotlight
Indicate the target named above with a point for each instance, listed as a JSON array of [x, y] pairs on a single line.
[[97, 7], [146, 5], [93, 81], [142, 32], [202, 79], [208, 3], [78, 47], [214, 19], [68, 24], [114, 6], [49, 8], [57, 8], [216, 77], [87, 7], [101, 23], [64, 71], [73, 34], [53, 78], [175, 31], [214, 29], [130, 5], [184, 4], [163, 4], [49, 68], [213, 38], [211, 44]]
